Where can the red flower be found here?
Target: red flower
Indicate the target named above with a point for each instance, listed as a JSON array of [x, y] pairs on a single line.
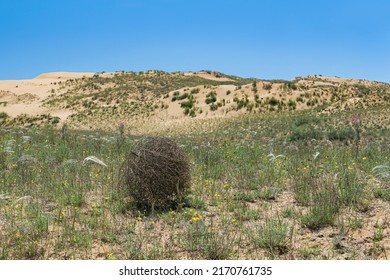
[[355, 119]]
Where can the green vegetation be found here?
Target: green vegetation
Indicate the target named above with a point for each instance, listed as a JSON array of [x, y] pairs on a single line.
[[211, 97], [4, 115], [117, 88], [273, 101], [245, 199]]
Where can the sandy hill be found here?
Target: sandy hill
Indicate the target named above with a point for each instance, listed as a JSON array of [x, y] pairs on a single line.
[[156, 98]]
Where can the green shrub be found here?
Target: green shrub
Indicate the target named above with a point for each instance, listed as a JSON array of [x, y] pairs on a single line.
[[241, 103], [213, 107], [306, 119], [271, 235], [179, 97], [305, 133], [341, 134], [323, 210], [211, 97], [187, 104], [4, 115], [273, 101], [192, 113], [195, 91], [267, 86], [383, 194]]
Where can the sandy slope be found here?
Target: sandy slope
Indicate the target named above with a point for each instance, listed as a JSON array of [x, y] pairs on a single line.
[[26, 96]]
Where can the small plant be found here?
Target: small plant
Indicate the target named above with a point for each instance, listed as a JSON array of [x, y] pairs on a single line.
[[254, 86], [267, 86], [350, 190], [305, 133], [378, 234], [192, 113], [211, 97], [121, 128], [273, 101], [323, 210], [302, 194], [288, 213], [4, 115], [292, 104], [241, 103], [195, 91], [187, 104], [64, 131], [383, 194], [213, 106], [271, 235], [211, 244], [355, 223], [356, 124], [341, 134]]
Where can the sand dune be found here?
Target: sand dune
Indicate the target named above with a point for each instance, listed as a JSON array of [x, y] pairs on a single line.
[[26, 96], [64, 75], [232, 98]]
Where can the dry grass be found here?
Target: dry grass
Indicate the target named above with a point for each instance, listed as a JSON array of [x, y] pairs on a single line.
[[157, 172]]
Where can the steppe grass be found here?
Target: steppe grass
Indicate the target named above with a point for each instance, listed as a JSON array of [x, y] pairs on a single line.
[[256, 193]]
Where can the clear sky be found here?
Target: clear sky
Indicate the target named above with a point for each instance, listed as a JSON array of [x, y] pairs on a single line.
[[269, 39]]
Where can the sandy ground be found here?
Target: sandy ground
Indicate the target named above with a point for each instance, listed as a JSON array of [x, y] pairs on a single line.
[[26, 96]]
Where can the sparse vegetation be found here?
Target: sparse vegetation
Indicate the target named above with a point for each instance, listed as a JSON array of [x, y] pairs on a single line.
[[263, 185]]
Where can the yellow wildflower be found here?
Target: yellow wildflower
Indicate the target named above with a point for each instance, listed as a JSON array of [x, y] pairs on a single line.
[[195, 219]]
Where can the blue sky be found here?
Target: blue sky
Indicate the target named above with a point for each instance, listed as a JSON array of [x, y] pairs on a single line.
[[262, 39]]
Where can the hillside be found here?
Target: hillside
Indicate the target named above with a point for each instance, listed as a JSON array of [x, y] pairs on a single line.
[[149, 100]]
